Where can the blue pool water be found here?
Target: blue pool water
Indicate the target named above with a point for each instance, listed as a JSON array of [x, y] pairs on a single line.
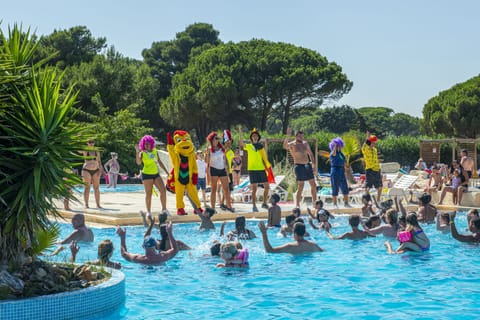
[[350, 280], [119, 188]]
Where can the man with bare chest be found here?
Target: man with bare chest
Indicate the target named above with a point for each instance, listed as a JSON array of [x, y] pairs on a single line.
[[467, 163], [303, 160]]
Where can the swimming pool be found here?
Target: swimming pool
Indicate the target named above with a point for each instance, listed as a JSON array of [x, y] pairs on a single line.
[[119, 188], [351, 279]]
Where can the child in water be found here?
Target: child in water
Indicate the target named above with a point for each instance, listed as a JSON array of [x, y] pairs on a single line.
[[321, 215], [412, 239], [232, 256]]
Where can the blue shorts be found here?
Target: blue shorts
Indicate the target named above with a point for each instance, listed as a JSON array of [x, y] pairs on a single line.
[[202, 184], [338, 181]]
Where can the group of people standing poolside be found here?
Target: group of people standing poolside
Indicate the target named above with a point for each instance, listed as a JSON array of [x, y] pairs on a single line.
[[220, 167]]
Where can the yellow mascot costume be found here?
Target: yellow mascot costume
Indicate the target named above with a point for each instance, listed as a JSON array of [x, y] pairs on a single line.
[[184, 175]]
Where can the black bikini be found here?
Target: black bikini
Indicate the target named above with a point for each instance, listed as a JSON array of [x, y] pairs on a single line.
[[92, 172]]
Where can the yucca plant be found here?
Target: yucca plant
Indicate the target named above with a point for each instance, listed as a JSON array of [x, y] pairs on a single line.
[[45, 238], [352, 151], [39, 141]]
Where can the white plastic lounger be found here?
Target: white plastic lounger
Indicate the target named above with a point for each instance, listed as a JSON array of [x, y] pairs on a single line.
[[402, 186]]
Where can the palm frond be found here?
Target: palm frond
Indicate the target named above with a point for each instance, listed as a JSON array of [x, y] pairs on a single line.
[[45, 239]]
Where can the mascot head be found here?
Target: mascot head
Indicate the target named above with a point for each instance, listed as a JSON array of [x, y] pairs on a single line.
[[183, 142]]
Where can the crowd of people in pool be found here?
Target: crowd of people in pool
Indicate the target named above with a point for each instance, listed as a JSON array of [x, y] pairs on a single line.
[[222, 163], [392, 223]]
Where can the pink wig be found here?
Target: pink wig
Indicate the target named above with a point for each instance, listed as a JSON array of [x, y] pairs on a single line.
[[336, 142], [147, 139]]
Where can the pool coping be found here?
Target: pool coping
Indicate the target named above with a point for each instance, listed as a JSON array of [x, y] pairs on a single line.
[[122, 209], [103, 298]]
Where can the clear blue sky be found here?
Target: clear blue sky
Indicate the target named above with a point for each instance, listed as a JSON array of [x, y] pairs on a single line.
[[398, 53]]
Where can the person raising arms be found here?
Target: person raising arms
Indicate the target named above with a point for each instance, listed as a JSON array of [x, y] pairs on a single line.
[[304, 163], [373, 178], [257, 166], [473, 226], [147, 154], [300, 245], [151, 256]]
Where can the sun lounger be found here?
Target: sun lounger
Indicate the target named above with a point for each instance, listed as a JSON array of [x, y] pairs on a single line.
[[402, 186]]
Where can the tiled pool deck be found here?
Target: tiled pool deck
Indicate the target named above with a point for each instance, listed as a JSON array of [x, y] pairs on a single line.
[[123, 209]]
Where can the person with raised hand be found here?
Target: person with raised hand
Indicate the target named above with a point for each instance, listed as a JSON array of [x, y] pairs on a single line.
[[300, 245], [152, 256], [304, 163], [473, 226]]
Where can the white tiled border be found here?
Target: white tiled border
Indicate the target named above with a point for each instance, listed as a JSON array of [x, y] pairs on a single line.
[[81, 304]]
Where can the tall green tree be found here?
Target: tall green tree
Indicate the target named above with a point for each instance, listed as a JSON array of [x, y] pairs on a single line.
[[69, 47], [208, 92], [455, 112], [402, 124], [167, 58], [337, 119], [119, 132], [108, 78], [383, 122], [249, 82], [38, 140], [377, 119], [286, 79]]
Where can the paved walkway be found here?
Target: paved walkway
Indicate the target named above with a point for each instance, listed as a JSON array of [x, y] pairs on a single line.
[[123, 209]]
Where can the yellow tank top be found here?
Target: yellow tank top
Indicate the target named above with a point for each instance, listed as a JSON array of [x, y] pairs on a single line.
[[230, 155], [150, 160], [255, 161]]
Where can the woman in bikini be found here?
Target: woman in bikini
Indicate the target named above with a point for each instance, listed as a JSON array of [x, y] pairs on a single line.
[[236, 167], [92, 170], [112, 167]]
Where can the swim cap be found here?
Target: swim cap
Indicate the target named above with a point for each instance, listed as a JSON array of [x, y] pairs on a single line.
[[149, 242]]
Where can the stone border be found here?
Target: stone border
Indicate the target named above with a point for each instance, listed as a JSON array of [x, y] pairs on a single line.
[[103, 298]]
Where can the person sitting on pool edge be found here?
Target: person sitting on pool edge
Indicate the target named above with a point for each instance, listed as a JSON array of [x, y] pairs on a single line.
[[300, 245], [473, 226], [105, 252], [355, 234], [151, 255]]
